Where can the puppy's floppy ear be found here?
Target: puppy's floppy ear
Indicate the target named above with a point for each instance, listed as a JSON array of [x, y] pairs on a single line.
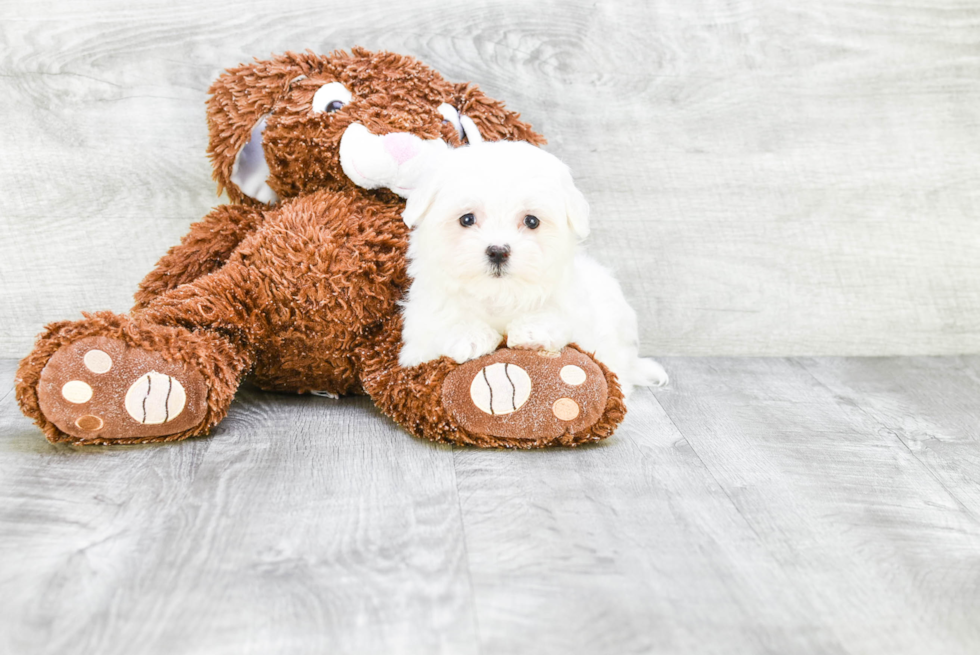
[[422, 197], [576, 206]]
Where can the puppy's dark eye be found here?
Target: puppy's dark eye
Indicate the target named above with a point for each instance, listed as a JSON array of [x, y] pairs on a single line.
[[333, 106], [466, 220], [531, 221]]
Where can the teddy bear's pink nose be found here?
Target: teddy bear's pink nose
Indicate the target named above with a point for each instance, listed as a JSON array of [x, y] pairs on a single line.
[[402, 146]]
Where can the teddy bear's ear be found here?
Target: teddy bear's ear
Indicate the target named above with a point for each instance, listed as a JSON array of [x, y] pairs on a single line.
[[241, 100], [250, 171], [494, 121]]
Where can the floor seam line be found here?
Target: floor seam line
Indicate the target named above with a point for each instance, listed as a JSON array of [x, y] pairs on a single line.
[[466, 552], [7, 395], [714, 479]]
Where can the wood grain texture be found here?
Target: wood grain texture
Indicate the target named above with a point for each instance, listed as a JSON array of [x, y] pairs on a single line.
[[766, 178], [630, 546], [304, 525], [887, 553], [931, 406], [807, 506]]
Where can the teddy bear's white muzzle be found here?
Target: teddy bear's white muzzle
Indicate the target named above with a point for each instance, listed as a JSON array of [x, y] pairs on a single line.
[[395, 161]]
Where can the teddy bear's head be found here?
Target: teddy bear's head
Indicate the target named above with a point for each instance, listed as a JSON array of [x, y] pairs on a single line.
[[296, 123]]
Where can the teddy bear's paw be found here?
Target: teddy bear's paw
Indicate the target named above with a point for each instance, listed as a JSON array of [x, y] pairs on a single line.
[[100, 389], [528, 396]]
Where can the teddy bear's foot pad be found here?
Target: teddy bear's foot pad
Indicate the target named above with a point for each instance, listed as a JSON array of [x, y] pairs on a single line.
[[527, 395], [102, 389]]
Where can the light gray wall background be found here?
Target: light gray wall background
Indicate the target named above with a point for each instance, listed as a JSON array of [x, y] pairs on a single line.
[[766, 177]]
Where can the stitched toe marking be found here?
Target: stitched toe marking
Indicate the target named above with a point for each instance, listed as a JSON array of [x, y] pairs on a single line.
[[76, 391], [565, 409], [89, 423], [572, 375], [97, 361]]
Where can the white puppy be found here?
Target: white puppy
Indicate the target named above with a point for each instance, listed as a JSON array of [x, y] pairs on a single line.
[[494, 251]]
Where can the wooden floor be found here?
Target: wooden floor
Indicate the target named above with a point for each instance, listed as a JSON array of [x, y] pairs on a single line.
[[754, 506]]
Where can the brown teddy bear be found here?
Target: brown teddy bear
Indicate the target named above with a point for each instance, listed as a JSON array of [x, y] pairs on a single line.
[[295, 284]]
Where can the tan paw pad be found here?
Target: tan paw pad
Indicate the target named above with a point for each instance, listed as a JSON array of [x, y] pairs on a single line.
[[519, 394], [101, 389]]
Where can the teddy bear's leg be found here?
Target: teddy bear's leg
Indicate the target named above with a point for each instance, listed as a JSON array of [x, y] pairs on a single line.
[[510, 398], [204, 249], [115, 379], [166, 372]]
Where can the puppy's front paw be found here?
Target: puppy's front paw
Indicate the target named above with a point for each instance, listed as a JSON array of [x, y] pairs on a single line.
[[414, 354], [539, 335], [470, 342]]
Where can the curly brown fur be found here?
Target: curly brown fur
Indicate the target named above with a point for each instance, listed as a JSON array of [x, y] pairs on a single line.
[[304, 295], [204, 249]]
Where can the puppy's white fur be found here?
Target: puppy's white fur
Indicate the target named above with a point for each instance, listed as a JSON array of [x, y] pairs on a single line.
[[547, 294]]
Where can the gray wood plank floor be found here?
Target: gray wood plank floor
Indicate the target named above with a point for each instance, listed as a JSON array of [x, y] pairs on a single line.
[[754, 506]]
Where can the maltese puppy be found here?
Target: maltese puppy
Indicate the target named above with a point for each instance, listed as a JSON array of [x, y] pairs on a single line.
[[494, 252]]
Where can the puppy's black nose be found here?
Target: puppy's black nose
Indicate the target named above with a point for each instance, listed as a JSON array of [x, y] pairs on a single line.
[[498, 254]]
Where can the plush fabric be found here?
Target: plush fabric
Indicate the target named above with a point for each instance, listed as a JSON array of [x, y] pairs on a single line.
[[296, 282]]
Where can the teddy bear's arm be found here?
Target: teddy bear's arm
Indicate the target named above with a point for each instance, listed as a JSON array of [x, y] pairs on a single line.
[[204, 249]]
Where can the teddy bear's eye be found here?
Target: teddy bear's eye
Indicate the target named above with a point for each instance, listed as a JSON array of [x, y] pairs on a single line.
[[466, 220], [532, 221], [330, 97]]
